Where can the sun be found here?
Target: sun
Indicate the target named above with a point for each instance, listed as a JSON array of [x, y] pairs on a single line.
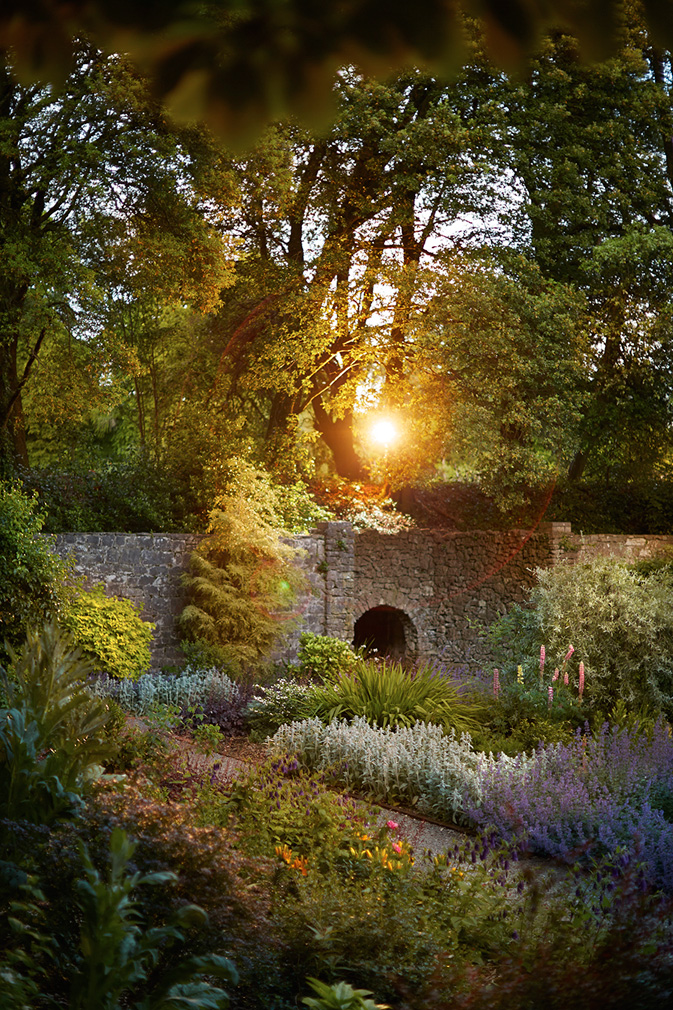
[[383, 432]]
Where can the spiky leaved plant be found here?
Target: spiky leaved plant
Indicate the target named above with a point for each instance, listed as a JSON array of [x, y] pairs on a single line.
[[52, 733], [386, 693]]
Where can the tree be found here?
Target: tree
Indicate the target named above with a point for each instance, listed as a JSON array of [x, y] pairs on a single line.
[[32, 578], [339, 230], [82, 171], [591, 148], [510, 348]]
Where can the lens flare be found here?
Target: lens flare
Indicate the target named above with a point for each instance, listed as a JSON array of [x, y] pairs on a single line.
[[383, 431]]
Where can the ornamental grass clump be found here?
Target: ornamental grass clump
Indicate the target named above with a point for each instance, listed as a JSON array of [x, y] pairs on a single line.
[[386, 694], [419, 765]]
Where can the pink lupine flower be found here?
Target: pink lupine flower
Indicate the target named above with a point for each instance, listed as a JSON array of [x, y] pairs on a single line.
[[551, 695], [569, 653], [496, 682], [565, 678], [542, 659], [555, 677], [581, 679]]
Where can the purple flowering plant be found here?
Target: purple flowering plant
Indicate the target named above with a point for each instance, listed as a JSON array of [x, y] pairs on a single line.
[[587, 797]]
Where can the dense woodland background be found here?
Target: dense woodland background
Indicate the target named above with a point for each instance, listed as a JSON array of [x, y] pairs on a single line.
[[486, 259]]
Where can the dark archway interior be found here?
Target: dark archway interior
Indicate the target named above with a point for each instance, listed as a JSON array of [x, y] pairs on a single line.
[[381, 630]]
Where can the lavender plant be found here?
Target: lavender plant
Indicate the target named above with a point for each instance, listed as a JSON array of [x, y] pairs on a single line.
[[590, 796]]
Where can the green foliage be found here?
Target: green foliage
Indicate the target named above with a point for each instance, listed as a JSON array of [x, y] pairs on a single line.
[[28, 947], [282, 702], [394, 927], [134, 495], [321, 656], [345, 898], [207, 737], [52, 737], [512, 426], [340, 996], [297, 510], [110, 632], [387, 694], [626, 503], [118, 954], [31, 576], [242, 583], [620, 623], [206, 868], [521, 717], [278, 804]]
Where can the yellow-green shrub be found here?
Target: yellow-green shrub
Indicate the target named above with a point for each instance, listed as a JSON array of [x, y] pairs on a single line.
[[242, 583], [110, 632]]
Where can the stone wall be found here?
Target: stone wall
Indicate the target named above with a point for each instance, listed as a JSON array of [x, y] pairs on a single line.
[[445, 582], [144, 568], [439, 584]]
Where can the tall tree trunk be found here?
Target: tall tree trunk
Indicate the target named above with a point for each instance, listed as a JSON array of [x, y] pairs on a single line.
[[12, 428], [13, 449], [338, 436]]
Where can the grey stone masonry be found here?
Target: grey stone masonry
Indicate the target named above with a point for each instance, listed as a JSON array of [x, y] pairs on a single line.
[[445, 583], [339, 573], [628, 547], [145, 568]]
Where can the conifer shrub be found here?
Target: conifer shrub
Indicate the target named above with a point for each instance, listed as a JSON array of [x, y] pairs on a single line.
[[243, 582], [110, 632]]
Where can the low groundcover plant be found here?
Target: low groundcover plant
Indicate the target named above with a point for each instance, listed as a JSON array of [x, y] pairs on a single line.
[[417, 764]]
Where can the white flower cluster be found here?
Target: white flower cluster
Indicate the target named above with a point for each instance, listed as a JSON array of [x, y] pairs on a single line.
[[419, 765], [154, 688], [281, 700]]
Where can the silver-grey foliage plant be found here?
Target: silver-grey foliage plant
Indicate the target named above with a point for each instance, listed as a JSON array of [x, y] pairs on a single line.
[[420, 765], [187, 689]]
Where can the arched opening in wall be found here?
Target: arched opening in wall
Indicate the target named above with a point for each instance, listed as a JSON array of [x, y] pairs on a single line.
[[386, 631]]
